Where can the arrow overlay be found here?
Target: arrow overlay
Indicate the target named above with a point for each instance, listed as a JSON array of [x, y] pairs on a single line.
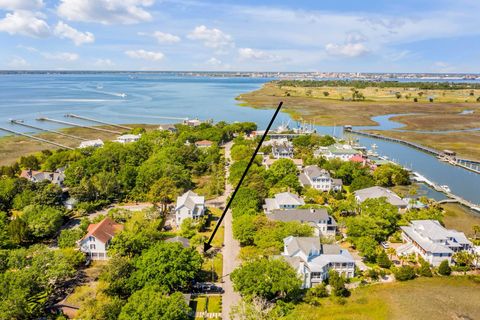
[[207, 245]]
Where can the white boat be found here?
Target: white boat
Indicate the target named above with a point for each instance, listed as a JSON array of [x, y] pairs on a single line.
[[123, 95], [445, 188]]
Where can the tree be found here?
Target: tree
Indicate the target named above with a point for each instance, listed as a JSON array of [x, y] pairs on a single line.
[[116, 274], [68, 237], [362, 182], [187, 228], [266, 278], [383, 260], [244, 228], [368, 247], [389, 175], [152, 302], [404, 273], [463, 258], [256, 309], [337, 282], [315, 292], [425, 270], [476, 231], [444, 268], [168, 265], [42, 221], [163, 191]]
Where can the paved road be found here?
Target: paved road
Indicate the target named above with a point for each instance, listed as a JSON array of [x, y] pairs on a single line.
[[230, 253]]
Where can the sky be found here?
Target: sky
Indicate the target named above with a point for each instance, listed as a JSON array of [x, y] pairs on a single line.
[[440, 36]]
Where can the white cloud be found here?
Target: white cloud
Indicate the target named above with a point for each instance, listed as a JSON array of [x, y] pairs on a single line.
[[254, 54], [145, 55], [63, 56], [213, 62], [212, 38], [24, 23], [163, 37], [63, 30], [347, 50], [21, 4], [106, 11], [105, 63], [18, 62]]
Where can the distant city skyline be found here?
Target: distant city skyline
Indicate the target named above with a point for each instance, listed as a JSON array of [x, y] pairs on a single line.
[[331, 36]]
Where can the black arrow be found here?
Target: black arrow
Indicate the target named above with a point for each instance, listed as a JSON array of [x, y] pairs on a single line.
[[207, 245]]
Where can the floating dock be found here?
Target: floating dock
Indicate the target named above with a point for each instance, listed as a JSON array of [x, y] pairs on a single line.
[[69, 115], [78, 125], [21, 123], [36, 138]]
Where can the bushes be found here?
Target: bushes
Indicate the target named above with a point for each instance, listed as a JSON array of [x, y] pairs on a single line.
[[444, 268], [404, 273], [383, 261]]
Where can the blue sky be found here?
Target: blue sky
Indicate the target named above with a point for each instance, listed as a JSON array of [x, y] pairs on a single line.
[[263, 35]]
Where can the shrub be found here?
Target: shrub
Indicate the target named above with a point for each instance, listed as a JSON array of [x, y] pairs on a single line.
[[383, 261], [444, 268], [404, 273]]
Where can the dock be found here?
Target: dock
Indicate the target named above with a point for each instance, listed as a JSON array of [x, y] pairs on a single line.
[[471, 165], [21, 123], [72, 124], [36, 138], [452, 197], [70, 115]]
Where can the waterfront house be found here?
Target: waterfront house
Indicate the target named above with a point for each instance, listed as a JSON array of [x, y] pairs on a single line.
[[313, 260], [192, 122], [380, 192], [128, 138], [337, 151], [91, 143], [167, 127], [57, 177], [282, 151], [323, 223], [189, 205], [430, 240], [95, 243], [283, 201], [203, 144], [267, 162], [319, 179]]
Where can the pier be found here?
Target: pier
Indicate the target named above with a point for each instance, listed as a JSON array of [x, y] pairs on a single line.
[[452, 197], [36, 138], [21, 123], [467, 164], [78, 125], [69, 115]]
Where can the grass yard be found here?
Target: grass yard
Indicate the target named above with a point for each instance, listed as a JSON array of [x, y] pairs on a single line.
[[212, 305], [460, 218], [424, 298]]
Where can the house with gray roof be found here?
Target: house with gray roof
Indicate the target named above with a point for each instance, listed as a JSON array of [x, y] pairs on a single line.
[[189, 205], [313, 260], [430, 240], [380, 192], [337, 151], [283, 201], [56, 177], [319, 179], [323, 223], [282, 150]]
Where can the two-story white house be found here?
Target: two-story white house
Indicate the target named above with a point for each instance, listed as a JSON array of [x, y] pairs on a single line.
[[434, 243], [283, 201], [319, 179], [128, 138], [337, 151], [313, 260], [95, 243], [323, 224], [189, 205], [281, 148]]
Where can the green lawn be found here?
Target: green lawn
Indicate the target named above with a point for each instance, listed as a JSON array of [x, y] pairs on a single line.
[[460, 218], [424, 298], [212, 305]]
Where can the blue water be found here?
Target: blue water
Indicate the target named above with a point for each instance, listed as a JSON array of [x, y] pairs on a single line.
[[149, 97]]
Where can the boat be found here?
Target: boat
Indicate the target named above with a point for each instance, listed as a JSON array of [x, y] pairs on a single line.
[[123, 95], [445, 188]]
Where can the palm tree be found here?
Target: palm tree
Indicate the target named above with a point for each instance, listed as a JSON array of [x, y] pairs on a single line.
[[476, 231]]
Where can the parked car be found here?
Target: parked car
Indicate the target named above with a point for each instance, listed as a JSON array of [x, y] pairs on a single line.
[[385, 244]]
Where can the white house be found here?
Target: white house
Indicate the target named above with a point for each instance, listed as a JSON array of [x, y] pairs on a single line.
[[320, 179], [282, 151], [91, 143], [95, 243], [430, 240], [380, 192], [323, 223], [127, 138], [283, 201], [337, 151], [167, 127], [189, 205], [313, 260]]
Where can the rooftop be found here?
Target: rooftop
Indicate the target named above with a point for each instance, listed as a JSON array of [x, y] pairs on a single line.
[[379, 192], [104, 230]]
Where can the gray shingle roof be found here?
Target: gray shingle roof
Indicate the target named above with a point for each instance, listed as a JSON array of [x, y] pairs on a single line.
[[302, 215], [379, 192]]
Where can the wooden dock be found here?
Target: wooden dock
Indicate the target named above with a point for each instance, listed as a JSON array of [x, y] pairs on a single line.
[[78, 125], [467, 164], [70, 115], [21, 123], [36, 138]]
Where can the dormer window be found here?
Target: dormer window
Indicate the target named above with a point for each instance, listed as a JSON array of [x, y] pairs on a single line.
[[91, 238]]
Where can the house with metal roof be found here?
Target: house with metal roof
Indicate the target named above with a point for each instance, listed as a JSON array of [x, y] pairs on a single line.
[[127, 138], [337, 151], [313, 260], [319, 179], [95, 243], [380, 192], [323, 223], [189, 205], [283, 201], [56, 177], [430, 240]]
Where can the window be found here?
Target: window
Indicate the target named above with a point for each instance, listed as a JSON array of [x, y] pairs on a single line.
[[92, 246], [91, 238]]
